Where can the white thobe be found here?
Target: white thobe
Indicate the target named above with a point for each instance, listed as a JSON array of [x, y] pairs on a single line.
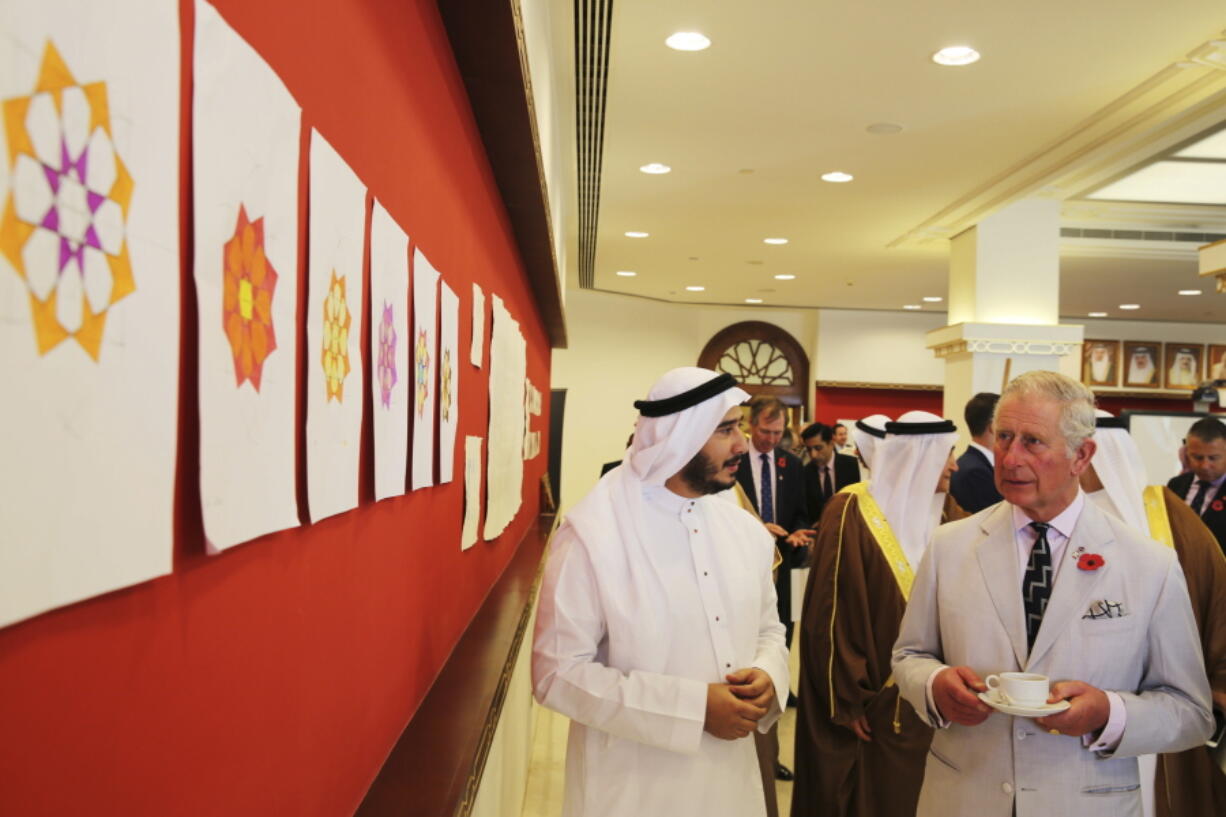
[[637, 745]]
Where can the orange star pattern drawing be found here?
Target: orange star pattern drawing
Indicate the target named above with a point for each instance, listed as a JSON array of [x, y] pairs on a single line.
[[444, 389], [335, 355], [64, 222], [422, 353], [248, 285]]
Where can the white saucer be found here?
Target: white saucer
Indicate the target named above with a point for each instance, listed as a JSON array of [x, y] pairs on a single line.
[[1040, 711]]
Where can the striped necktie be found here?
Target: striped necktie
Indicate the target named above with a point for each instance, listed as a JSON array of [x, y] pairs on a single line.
[[1036, 586]]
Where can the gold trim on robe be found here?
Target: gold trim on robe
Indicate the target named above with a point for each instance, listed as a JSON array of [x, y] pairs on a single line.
[[886, 540], [1155, 512]]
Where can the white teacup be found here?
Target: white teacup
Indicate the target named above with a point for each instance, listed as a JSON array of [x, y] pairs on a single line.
[[1021, 688]]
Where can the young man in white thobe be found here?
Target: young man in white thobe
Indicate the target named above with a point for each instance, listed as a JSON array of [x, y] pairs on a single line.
[[657, 633]]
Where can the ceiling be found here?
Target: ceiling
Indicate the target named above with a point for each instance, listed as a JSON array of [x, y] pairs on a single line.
[[1066, 98]]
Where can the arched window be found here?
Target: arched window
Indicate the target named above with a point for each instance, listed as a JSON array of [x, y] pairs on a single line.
[[764, 358]]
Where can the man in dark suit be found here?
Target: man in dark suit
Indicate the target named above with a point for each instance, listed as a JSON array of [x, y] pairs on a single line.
[[973, 484], [773, 481], [1201, 487], [827, 472]]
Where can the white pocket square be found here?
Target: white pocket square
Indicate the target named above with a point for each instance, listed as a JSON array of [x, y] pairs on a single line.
[[1104, 608]]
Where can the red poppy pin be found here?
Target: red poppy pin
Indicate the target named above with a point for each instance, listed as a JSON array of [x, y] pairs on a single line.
[[1091, 561], [1217, 505], [783, 463]]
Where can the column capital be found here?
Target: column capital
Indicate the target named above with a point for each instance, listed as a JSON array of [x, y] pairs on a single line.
[[1005, 339]]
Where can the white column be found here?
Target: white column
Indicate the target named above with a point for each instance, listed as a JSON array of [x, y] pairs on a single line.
[[1004, 304]]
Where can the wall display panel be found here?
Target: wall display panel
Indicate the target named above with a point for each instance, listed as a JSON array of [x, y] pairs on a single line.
[[390, 384], [245, 157], [247, 665], [448, 380], [89, 298], [504, 483], [334, 314], [425, 367]]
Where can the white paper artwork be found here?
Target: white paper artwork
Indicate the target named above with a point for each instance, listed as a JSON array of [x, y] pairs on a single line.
[[508, 370], [448, 379], [532, 408], [245, 168], [472, 492], [425, 350], [477, 350], [334, 316], [89, 298], [391, 385]]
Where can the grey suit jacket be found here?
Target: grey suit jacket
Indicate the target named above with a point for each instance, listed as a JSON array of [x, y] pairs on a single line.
[[966, 609]]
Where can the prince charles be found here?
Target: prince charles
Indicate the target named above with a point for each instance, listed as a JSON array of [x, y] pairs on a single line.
[[1046, 583]]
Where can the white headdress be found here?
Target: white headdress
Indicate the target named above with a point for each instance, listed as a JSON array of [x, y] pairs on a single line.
[[1120, 469], [907, 467], [866, 434]]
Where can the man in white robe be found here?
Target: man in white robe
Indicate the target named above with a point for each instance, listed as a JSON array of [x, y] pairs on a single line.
[[657, 632]]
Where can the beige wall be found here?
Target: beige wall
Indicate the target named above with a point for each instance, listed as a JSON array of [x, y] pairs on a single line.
[[862, 346]]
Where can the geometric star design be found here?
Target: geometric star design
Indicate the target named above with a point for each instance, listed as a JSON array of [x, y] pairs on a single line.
[[248, 285], [386, 365], [444, 389], [422, 356], [63, 227], [335, 353]]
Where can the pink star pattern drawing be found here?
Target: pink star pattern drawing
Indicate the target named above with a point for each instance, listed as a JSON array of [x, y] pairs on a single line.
[[386, 366]]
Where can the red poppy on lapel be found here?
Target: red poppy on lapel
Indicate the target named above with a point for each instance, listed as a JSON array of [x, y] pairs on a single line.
[[783, 463], [1217, 505], [1091, 561]]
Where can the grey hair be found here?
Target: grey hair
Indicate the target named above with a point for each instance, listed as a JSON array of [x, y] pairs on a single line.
[[1076, 402]]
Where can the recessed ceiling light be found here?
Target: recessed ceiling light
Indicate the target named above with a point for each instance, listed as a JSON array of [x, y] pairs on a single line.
[[688, 41], [1130, 306], [753, 300], [1098, 314], [655, 168], [1189, 292], [636, 234], [774, 241], [784, 277], [956, 55], [625, 273], [837, 176], [884, 128], [694, 289], [932, 299], [912, 306]]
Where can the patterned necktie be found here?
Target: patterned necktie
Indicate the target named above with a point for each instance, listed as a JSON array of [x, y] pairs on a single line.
[[1036, 586], [766, 507], [1198, 501]]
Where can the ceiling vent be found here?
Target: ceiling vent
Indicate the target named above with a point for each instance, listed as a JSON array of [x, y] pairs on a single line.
[[592, 36]]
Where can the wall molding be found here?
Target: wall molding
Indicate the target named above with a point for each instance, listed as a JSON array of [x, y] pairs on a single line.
[[1005, 346], [435, 767], [853, 384]]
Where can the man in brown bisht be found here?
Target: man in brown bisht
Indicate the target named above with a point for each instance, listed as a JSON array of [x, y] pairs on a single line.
[[859, 750], [1187, 784]]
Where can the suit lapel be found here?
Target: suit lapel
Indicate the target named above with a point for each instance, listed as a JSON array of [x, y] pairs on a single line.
[[997, 555], [1071, 595]]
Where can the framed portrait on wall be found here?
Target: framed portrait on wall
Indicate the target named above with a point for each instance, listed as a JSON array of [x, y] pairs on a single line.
[[1100, 362], [1184, 366], [1140, 364], [1215, 363]]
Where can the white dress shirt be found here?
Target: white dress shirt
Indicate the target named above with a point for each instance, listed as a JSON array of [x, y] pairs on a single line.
[[637, 744]]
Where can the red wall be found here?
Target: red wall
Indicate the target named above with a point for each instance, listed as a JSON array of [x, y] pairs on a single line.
[[832, 404], [273, 679]]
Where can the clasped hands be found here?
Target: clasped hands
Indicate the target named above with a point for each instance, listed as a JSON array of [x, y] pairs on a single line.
[[734, 708], [955, 693]]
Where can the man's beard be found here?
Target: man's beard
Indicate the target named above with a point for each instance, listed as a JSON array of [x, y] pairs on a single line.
[[701, 474]]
